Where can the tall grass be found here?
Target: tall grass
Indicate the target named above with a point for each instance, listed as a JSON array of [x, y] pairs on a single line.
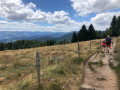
[[117, 58], [19, 70]]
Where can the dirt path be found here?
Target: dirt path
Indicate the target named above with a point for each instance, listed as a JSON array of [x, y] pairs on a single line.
[[104, 78]]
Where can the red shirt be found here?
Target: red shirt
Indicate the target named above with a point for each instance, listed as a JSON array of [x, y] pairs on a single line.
[[103, 43]]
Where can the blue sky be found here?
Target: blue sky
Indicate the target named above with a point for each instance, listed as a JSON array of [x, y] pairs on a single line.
[[56, 15]]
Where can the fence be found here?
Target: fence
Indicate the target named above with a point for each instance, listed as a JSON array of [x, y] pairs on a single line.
[[38, 63]]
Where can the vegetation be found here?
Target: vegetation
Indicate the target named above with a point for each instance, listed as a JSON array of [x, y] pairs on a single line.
[[22, 44], [91, 33], [98, 63], [114, 29], [18, 70], [85, 34], [100, 78], [117, 58], [60, 66]]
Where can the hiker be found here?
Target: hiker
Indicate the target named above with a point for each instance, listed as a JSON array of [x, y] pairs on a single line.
[[108, 42], [103, 44]]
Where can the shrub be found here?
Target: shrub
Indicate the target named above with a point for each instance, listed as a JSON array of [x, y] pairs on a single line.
[[77, 60], [54, 86], [101, 63], [40, 87], [59, 71]]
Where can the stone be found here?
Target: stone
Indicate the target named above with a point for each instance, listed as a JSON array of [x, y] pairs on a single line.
[[53, 79], [113, 85], [86, 87], [114, 63]]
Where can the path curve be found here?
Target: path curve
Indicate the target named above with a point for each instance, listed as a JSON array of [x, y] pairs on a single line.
[[91, 81]]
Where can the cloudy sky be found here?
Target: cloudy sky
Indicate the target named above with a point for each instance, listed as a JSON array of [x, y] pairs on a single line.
[[56, 15]]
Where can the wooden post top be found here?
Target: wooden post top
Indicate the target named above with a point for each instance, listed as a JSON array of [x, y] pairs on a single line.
[[37, 59]]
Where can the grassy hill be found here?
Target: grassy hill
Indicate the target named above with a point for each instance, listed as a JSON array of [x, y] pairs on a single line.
[[18, 70]]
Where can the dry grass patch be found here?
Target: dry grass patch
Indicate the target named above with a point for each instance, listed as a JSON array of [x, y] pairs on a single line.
[[19, 70]]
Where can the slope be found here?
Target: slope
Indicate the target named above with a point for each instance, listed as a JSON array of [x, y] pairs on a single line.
[[18, 70]]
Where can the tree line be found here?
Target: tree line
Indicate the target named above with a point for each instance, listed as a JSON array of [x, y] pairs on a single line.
[[85, 34], [23, 44], [114, 29], [91, 33]]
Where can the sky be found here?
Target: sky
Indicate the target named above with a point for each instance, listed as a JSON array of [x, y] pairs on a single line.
[[56, 15]]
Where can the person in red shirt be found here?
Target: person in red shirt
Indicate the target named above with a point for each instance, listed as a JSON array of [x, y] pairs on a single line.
[[103, 45]]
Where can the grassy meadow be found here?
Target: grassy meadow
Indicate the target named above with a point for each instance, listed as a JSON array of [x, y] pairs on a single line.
[[18, 70]]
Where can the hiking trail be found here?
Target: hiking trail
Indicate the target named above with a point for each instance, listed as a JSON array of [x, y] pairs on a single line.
[[104, 78]]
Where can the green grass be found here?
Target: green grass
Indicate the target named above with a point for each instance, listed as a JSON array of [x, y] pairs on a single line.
[[117, 69], [117, 58], [54, 86]]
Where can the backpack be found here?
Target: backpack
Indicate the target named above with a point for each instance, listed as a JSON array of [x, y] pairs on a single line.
[[108, 40]]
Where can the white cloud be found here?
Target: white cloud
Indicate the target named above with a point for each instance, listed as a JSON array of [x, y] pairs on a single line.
[[100, 21], [16, 10], [85, 7], [25, 26]]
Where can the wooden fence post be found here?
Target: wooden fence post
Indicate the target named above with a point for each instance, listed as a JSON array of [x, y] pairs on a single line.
[[78, 50], [90, 46], [38, 66]]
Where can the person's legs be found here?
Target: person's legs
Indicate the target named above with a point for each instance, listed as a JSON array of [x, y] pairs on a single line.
[[107, 45], [110, 46], [103, 47]]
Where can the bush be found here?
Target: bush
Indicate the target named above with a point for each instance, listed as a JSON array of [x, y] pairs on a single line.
[[54, 86], [77, 60], [41, 87], [90, 66], [98, 63], [59, 71], [101, 63]]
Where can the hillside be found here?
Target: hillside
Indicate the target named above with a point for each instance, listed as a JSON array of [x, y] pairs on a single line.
[[18, 70], [6, 36], [60, 38]]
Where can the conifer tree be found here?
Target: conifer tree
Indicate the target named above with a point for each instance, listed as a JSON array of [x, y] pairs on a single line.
[[91, 32], [74, 37], [113, 27], [83, 33], [118, 26]]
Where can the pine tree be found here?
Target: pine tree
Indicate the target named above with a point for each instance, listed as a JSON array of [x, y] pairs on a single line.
[[1, 46], [118, 26], [74, 37], [83, 34], [91, 32], [113, 27]]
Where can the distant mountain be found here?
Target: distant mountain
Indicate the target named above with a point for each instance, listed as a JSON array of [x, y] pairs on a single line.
[[67, 36], [10, 36]]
